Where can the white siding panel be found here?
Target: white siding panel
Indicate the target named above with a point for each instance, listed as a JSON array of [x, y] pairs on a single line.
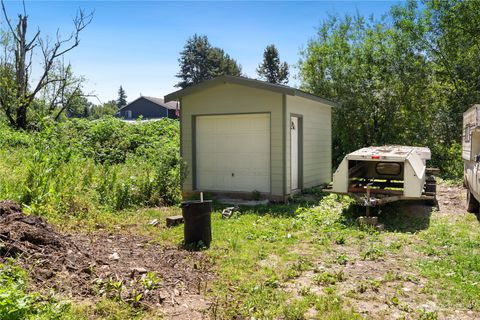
[[317, 140]]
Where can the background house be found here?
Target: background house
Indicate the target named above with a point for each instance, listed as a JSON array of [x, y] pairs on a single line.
[[240, 135], [148, 108]]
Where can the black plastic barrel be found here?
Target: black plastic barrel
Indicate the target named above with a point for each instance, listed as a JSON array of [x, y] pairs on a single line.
[[197, 222]]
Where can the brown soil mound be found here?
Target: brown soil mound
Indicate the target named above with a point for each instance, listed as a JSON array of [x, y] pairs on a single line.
[[21, 233], [119, 266]]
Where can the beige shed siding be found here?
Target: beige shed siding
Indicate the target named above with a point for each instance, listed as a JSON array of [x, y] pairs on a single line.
[[234, 99], [317, 140]]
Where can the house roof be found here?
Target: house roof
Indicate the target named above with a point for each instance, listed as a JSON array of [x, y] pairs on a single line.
[[250, 83], [158, 101]]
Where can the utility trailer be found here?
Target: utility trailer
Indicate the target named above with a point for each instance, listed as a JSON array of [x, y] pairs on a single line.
[[374, 176], [471, 156]]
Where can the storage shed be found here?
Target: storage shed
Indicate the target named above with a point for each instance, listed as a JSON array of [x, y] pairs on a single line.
[[241, 136]]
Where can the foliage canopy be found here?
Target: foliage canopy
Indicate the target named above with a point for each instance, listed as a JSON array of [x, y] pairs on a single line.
[[200, 61], [403, 80]]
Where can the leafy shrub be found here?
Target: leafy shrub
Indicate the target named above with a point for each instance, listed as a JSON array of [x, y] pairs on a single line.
[[76, 166], [112, 141], [12, 138], [448, 159], [16, 303], [327, 215]]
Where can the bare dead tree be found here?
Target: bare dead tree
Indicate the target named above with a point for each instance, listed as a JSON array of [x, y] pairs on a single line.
[[25, 90], [58, 95]]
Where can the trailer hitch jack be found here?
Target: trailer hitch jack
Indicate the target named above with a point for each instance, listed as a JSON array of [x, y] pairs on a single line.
[[368, 220]]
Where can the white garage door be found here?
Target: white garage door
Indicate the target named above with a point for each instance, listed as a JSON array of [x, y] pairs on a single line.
[[233, 152]]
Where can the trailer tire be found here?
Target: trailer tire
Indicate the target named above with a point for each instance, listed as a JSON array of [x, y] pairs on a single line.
[[472, 203], [431, 186]]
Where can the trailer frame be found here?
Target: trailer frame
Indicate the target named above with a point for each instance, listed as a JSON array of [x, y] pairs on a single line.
[[375, 190]]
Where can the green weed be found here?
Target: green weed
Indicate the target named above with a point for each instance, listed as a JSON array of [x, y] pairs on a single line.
[[17, 303], [150, 281], [330, 307], [373, 252], [328, 278], [341, 259], [340, 239]]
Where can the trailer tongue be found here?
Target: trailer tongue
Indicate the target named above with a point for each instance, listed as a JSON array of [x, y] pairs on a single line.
[[378, 175]]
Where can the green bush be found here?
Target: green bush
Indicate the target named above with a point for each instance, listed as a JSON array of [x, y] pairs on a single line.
[[12, 138], [448, 158], [79, 165]]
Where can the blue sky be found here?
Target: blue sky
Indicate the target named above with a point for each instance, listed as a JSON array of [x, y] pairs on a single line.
[[136, 44]]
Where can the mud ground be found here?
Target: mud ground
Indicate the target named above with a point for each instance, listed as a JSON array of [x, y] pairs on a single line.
[[119, 266]]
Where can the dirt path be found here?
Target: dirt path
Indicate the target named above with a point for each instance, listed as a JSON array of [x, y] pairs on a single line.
[[451, 200], [87, 267]]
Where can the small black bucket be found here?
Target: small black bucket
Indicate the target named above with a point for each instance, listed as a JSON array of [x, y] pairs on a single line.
[[198, 224]]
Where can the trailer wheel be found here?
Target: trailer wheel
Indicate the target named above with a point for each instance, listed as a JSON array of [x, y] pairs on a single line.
[[431, 185], [472, 203]]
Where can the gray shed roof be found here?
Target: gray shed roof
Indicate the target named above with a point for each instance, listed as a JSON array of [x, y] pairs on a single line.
[[158, 101], [250, 83]]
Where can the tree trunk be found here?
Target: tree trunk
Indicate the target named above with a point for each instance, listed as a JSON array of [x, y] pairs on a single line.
[[21, 120], [20, 58]]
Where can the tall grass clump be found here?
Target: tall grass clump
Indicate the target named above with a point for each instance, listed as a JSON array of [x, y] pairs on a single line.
[[327, 215], [78, 166], [12, 138]]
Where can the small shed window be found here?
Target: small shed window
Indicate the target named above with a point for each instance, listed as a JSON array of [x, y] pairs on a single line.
[[129, 114]]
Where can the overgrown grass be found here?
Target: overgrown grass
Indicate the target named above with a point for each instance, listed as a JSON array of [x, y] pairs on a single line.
[[88, 175], [80, 167], [451, 260], [261, 250]]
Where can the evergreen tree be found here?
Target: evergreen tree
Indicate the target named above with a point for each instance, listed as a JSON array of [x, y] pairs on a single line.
[[200, 61], [271, 69], [122, 98]]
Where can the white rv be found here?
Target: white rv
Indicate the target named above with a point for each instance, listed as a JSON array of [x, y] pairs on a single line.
[[471, 156], [378, 175]]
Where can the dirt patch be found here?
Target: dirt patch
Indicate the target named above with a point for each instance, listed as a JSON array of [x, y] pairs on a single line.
[[451, 199], [383, 284], [22, 234], [127, 267], [378, 289], [385, 288]]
